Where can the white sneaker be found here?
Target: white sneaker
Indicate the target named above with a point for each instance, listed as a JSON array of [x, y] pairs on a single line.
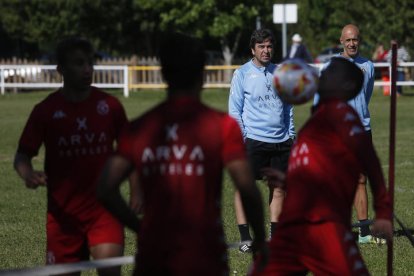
[[245, 247]]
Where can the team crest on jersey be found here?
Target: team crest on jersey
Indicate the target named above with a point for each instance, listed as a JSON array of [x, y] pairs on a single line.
[[102, 107], [59, 114]]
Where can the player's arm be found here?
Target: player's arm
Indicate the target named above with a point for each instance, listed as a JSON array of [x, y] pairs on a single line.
[[370, 83], [116, 170], [29, 143], [135, 195], [359, 142], [236, 99], [135, 198], [364, 149], [24, 168], [274, 177]]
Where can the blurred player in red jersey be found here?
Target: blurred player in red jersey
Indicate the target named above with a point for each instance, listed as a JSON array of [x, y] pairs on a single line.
[[179, 149], [78, 125], [331, 150]]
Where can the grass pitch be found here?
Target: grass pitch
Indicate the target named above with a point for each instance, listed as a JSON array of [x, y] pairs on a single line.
[[22, 211]]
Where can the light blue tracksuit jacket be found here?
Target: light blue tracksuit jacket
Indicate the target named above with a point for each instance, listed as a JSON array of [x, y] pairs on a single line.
[[253, 102]]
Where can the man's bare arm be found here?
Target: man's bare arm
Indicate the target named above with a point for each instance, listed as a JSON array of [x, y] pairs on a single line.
[[116, 170], [24, 168]]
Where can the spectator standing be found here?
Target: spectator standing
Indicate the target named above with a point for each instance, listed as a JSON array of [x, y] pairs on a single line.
[[402, 56], [298, 50], [380, 55], [266, 123], [350, 39]]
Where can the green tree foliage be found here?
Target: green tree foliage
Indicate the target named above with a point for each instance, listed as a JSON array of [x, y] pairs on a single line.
[[43, 22], [125, 27], [320, 22], [217, 19]]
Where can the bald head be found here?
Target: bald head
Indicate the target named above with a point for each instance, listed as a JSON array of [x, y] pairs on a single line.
[[350, 41], [349, 28]]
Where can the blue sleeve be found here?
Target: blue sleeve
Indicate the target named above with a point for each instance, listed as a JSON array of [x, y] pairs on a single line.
[[316, 99], [288, 115], [236, 99], [370, 84], [292, 132]]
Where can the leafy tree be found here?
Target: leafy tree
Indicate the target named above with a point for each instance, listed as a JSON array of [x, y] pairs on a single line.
[[222, 20], [44, 22], [320, 22], [123, 27]]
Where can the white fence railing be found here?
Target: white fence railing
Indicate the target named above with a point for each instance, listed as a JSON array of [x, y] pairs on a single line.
[[46, 76], [133, 77]]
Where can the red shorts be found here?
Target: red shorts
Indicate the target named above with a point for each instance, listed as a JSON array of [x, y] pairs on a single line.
[[323, 249], [70, 242]]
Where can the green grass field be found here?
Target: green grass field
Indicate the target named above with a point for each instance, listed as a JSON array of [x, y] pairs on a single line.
[[22, 211]]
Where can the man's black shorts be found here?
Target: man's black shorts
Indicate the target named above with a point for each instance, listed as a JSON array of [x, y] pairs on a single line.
[[262, 154]]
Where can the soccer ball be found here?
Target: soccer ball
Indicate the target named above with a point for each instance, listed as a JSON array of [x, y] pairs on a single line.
[[295, 81]]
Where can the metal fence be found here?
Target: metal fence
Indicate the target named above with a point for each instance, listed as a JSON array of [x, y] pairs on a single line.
[[127, 78], [46, 76]]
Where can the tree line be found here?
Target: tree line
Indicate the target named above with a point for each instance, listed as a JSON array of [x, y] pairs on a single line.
[[30, 28]]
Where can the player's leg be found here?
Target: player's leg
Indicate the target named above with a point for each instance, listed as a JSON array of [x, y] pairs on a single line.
[[242, 222], [65, 243], [106, 240], [279, 160], [257, 160], [361, 199], [276, 197], [107, 250], [361, 208]]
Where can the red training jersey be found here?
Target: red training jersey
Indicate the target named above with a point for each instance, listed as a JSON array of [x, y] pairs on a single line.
[[78, 139], [331, 151], [179, 149]]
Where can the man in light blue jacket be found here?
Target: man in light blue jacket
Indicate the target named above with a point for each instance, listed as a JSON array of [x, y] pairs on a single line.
[[266, 123], [350, 40]]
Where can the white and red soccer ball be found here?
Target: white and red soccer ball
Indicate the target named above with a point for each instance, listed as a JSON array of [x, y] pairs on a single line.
[[295, 81]]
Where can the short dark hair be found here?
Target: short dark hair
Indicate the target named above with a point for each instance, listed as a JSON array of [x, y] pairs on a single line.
[[258, 36], [70, 44], [182, 60], [342, 78]]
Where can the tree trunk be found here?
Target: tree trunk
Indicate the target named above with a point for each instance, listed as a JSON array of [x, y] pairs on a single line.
[[228, 55]]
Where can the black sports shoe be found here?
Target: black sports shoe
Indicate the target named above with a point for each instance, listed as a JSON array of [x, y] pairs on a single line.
[[245, 247]]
